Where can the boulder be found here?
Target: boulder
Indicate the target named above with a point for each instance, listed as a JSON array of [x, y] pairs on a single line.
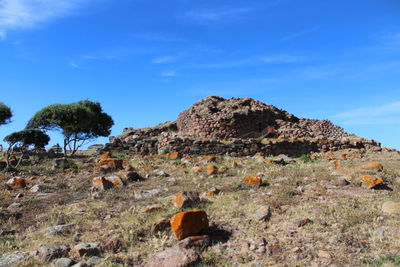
[[370, 181], [212, 170], [101, 183], [262, 214], [11, 259], [87, 249], [189, 223], [173, 257], [47, 253], [63, 262], [185, 199], [376, 166], [252, 180]]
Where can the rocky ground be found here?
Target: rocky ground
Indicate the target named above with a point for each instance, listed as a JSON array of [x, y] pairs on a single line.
[[331, 209]]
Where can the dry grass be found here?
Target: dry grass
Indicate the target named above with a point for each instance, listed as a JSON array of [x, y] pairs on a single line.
[[348, 227]]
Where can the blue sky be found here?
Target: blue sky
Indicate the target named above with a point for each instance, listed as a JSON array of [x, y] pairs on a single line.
[[147, 60]]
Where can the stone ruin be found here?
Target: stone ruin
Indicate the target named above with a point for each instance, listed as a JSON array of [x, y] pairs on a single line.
[[238, 127]]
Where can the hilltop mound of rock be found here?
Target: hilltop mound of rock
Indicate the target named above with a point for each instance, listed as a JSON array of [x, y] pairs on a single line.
[[216, 117], [237, 126]]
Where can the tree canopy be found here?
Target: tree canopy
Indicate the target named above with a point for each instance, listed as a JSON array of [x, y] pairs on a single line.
[[5, 114], [79, 122], [27, 138]]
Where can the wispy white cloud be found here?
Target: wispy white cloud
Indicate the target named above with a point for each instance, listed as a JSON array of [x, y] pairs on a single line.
[[25, 14], [281, 59], [385, 114], [251, 61], [162, 60], [73, 64], [167, 59], [217, 15], [168, 74], [296, 35], [156, 37]]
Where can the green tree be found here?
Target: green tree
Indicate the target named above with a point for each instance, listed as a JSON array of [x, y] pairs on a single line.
[[5, 114], [79, 122], [19, 143]]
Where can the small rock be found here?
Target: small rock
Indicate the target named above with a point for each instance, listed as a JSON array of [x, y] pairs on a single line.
[[115, 180], [370, 181], [342, 182], [143, 194], [80, 264], [93, 260], [391, 207], [252, 180], [185, 199], [189, 223], [262, 214], [58, 229], [47, 253], [211, 193], [212, 170], [195, 241], [162, 174], [87, 249], [301, 222], [133, 176], [11, 259], [101, 183], [173, 257], [19, 195], [16, 182], [283, 160], [373, 166], [14, 206], [64, 262], [38, 189]]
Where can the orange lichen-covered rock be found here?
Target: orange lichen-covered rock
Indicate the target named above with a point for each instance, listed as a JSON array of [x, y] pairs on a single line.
[[189, 223], [170, 155], [252, 180], [209, 158], [212, 169], [371, 181], [115, 180], [185, 199], [173, 155], [101, 183], [16, 182], [113, 163], [105, 155], [147, 168], [373, 166], [211, 193], [187, 158]]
